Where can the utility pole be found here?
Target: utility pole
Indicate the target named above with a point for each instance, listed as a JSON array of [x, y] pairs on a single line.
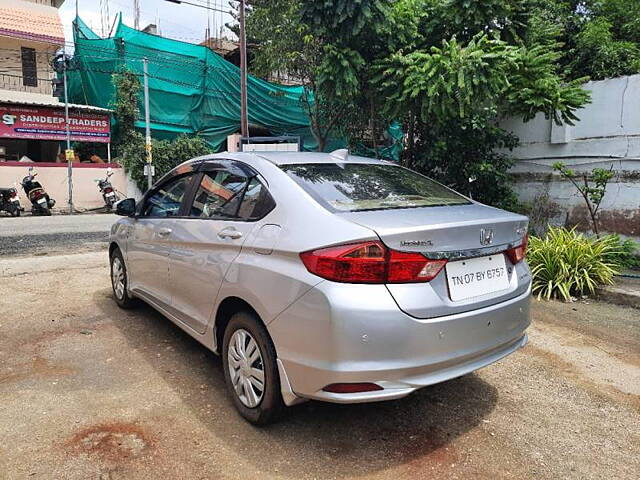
[[69, 154], [244, 122], [60, 64], [136, 14], [147, 145], [208, 35]]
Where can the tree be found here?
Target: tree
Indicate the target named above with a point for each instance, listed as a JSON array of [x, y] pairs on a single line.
[[125, 108], [599, 38], [591, 194], [598, 54], [449, 70], [452, 93], [353, 34], [310, 42]]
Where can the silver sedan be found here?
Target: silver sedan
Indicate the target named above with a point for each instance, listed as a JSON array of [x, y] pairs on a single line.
[[324, 276]]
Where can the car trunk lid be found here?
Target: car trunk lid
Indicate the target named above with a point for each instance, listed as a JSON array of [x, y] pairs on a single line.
[[452, 232]]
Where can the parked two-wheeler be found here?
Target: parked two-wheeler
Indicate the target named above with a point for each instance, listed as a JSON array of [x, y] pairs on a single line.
[[41, 203], [109, 195], [9, 201]]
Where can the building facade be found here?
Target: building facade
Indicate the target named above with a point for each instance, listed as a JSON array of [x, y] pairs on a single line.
[[32, 120]]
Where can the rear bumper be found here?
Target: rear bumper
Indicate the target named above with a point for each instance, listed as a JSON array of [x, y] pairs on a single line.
[[378, 343]]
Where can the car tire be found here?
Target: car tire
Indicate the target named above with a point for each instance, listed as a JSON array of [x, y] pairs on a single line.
[[241, 373], [119, 280]]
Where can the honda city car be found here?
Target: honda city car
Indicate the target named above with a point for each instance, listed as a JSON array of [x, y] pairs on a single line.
[[324, 276]]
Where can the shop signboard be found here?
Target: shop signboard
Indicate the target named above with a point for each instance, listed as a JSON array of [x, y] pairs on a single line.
[[48, 123]]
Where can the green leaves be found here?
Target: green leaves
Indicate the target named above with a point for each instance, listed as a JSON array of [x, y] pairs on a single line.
[[167, 154], [125, 107], [467, 156], [339, 72], [592, 194], [470, 17], [537, 86], [566, 263], [341, 19], [446, 82], [458, 81]]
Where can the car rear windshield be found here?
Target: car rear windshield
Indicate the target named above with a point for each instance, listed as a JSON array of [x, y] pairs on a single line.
[[353, 187]]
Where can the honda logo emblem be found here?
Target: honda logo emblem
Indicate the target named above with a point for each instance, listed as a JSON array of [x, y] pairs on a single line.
[[486, 236]]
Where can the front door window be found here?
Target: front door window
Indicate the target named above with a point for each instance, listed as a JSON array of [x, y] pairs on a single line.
[[166, 200]]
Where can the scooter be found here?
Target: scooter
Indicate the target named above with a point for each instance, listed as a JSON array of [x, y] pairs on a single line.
[[106, 189], [9, 201], [41, 203]]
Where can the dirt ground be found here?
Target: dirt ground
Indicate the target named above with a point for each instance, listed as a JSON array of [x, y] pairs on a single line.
[[90, 391]]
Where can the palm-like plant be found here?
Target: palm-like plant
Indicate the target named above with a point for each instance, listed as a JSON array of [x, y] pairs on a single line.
[[566, 263]]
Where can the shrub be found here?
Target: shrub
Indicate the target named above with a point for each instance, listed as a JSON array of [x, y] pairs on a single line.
[[166, 155], [624, 255], [565, 263]]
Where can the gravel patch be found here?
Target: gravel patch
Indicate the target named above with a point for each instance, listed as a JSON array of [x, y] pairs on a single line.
[[92, 391]]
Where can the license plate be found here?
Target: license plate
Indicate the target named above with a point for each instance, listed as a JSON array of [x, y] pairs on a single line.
[[42, 201], [17, 200], [110, 194], [475, 277]]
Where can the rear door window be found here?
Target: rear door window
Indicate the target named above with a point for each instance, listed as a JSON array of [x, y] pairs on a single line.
[[352, 187], [219, 194], [257, 201], [228, 194]]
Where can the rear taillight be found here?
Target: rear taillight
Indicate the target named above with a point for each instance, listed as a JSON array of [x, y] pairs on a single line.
[[13, 194], [516, 254], [370, 262], [108, 190]]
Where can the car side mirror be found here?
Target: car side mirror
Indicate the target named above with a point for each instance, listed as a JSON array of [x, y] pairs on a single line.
[[126, 207]]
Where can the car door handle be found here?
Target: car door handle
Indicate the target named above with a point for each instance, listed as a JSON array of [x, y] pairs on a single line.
[[229, 233], [164, 232]]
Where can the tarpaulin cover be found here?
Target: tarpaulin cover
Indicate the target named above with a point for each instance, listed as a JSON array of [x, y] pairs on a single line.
[[191, 88]]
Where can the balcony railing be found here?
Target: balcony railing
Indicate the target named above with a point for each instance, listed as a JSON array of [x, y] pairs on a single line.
[[16, 83]]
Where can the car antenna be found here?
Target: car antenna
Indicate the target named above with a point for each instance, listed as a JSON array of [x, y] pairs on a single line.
[[341, 155]]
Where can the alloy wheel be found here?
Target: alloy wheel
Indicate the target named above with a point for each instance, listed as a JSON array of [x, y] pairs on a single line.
[[246, 368]]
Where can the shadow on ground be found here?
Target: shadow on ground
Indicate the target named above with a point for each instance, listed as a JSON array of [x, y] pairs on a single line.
[[333, 440]]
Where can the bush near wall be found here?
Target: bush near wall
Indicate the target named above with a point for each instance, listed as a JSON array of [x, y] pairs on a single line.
[[167, 154], [565, 263]]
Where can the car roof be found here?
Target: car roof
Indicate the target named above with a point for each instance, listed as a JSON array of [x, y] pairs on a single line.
[[292, 158]]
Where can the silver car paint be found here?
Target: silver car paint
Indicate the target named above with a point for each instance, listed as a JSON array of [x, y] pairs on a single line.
[[325, 331], [434, 225], [202, 250]]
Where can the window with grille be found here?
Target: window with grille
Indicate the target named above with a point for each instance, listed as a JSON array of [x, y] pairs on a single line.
[[29, 68]]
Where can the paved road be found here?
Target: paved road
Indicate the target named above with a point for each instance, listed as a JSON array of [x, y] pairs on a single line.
[[56, 234], [90, 391]]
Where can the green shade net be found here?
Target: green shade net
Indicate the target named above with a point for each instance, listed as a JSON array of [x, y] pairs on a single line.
[[191, 88]]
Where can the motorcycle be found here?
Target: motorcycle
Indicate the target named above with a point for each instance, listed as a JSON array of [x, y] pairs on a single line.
[[41, 203], [106, 189], [9, 201]]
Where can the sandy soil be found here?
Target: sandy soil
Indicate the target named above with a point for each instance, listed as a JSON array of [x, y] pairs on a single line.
[[91, 391]]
